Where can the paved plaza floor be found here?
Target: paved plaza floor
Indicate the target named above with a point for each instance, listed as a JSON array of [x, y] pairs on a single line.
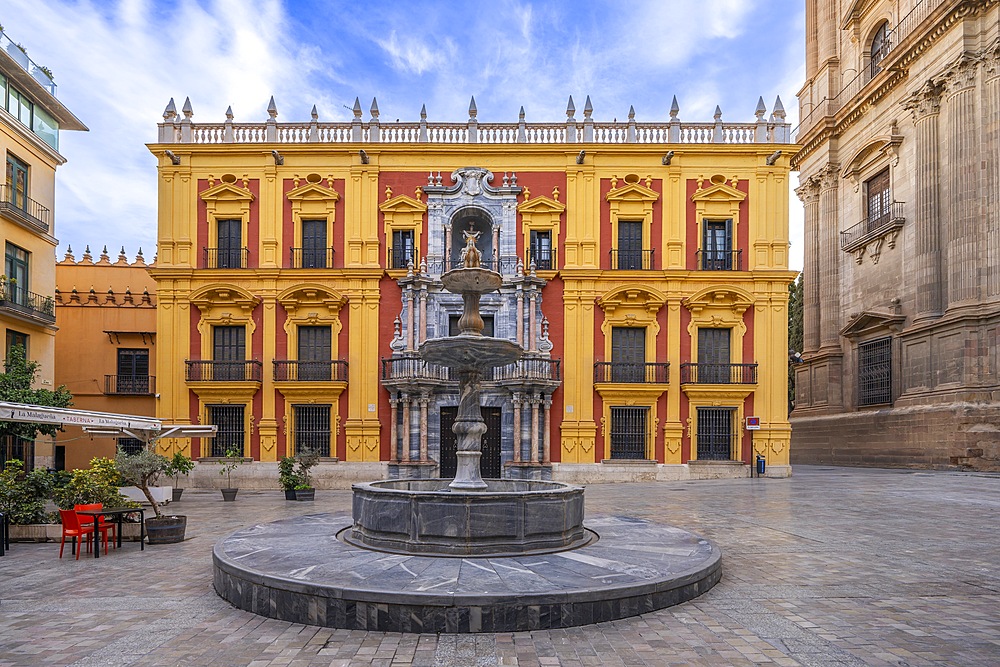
[[834, 566]]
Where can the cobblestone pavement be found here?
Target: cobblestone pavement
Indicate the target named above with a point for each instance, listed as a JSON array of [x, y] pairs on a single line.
[[834, 566]]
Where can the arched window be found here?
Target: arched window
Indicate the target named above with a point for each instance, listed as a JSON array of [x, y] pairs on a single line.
[[879, 50]]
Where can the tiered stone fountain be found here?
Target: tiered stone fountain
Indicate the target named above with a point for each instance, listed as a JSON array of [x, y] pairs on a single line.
[[463, 555]]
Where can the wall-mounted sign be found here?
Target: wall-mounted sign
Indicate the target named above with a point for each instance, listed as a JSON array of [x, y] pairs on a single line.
[[753, 423]]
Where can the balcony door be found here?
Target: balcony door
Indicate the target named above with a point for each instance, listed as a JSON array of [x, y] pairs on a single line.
[[629, 245], [314, 244], [402, 248], [230, 249], [16, 267], [717, 245], [17, 183], [229, 351], [713, 356], [133, 371], [878, 200], [315, 345], [628, 354]]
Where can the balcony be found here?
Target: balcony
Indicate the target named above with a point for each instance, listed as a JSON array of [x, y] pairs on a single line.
[[26, 305], [288, 370], [870, 234], [632, 260], [23, 210], [719, 374], [129, 385], [400, 258], [226, 258], [542, 260], [632, 373], [529, 369], [223, 371], [720, 260], [38, 73], [310, 258], [397, 369]]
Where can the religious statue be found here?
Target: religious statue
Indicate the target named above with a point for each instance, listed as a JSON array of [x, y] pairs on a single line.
[[470, 253]]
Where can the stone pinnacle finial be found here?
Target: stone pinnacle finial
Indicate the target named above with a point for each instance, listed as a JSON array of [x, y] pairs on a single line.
[[314, 113], [631, 112], [170, 111], [69, 254], [718, 113], [187, 109], [272, 108], [423, 112], [229, 112], [761, 109], [570, 108], [520, 114], [472, 107], [779, 109], [374, 108], [674, 108], [588, 108], [357, 108]]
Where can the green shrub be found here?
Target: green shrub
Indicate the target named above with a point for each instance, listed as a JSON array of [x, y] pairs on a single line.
[[98, 484], [142, 470], [23, 495], [286, 473]]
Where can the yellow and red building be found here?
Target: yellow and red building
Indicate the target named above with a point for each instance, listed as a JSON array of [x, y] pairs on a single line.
[[645, 273]]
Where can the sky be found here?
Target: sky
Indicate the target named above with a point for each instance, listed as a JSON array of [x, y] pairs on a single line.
[[117, 64]]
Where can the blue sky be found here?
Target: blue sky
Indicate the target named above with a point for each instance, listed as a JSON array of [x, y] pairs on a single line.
[[118, 63]]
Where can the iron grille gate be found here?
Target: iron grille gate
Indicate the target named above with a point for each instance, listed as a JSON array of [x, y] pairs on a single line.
[[229, 420], [489, 464], [628, 433], [716, 433], [312, 429], [875, 372]]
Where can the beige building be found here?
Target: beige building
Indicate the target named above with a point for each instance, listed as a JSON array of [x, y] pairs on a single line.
[[900, 174], [30, 120]]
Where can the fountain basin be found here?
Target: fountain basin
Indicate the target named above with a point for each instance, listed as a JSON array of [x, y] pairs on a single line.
[[425, 516], [470, 352]]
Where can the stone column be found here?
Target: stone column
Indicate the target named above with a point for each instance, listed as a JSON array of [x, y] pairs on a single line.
[[423, 314], [547, 431], [517, 428], [447, 249], [991, 158], [535, 449], [405, 457], [520, 317], [812, 35], [409, 318], [808, 192], [829, 259], [532, 320], [393, 415], [925, 106], [496, 246], [828, 24], [424, 400], [961, 257]]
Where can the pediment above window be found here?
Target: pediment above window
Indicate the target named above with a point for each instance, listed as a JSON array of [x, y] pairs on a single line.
[[227, 199], [541, 206], [728, 300], [632, 298], [402, 204], [632, 192], [301, 300], [881, 148], [224, 297], [720, 192], [871, 322], [313, 191]]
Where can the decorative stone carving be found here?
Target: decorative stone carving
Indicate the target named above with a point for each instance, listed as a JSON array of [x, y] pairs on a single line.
[[925, 101]]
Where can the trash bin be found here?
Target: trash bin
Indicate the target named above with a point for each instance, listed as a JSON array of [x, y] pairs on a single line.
[[760, 465]]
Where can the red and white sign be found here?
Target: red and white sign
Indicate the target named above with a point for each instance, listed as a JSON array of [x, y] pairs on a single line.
[[753, 423]]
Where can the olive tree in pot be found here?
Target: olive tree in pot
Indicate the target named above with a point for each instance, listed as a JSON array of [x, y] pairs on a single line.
[[230, 462], [304, 489], [287, 476], [177, 466], [143, 470]]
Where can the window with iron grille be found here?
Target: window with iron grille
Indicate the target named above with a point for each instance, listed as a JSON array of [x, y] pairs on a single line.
[[717, 434], [541, 249], [131, 446], [230, 245], [875, 372], [402, 248], [133, 371], [628, 432], [229, 421], [314, 244], [312, 429]]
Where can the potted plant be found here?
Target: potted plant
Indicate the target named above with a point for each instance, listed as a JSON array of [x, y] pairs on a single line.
[[230, 462], [304, 489], [287, 476], [177, 466], [143, 470]]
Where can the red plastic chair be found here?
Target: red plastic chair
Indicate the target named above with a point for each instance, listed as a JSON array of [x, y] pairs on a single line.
[[105, 526], [71, 528]]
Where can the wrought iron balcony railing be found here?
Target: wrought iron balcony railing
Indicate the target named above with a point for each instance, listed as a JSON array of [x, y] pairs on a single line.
[[872, 227], [543, 260], [23, 209], [227, 258], [528, 369], [632, 260], [288, 370], [16, 298], [720, 260], [400, 258], [718, 373], [224, 371], [135, 385], [413, 368], [311, 258], [644, 373]]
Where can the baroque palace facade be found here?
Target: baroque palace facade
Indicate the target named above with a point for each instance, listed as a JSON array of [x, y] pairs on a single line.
[[900, 175], [645, 275]]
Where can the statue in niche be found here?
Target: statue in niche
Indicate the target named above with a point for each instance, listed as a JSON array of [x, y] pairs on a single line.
[[470, 253]]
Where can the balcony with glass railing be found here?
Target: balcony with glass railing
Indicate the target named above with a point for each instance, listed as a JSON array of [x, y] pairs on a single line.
[[40, 73]]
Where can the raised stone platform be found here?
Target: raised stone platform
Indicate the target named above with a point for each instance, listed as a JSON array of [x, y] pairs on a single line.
[[297, 570]]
